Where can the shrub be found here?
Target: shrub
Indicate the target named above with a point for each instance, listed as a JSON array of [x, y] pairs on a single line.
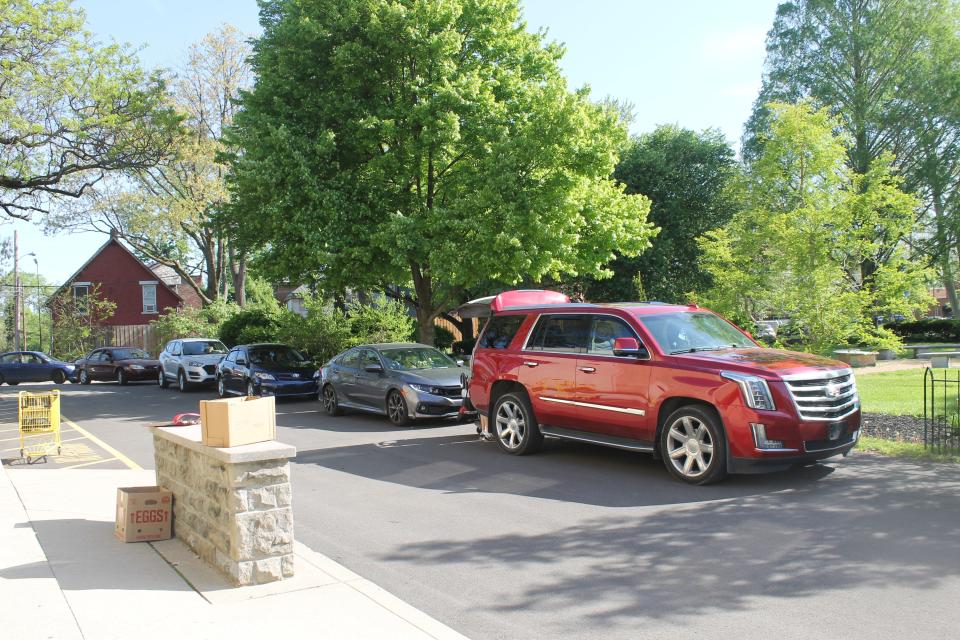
[[193, 323], [251, 325], [443, 338], [322, 334], [386, 321], [927, 330]]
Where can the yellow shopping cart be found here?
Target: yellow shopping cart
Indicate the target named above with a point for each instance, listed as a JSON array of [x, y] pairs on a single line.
[[39, 419]]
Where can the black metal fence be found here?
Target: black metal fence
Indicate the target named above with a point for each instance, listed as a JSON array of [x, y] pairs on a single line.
[[941, 410]]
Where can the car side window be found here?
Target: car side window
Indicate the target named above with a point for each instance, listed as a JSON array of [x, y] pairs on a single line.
[[10, 358], [561, 333], [242, 358], [29, 358], [500, 331], [370, 357], [351, 359], [175, 348], [231, 357], [606, 329]]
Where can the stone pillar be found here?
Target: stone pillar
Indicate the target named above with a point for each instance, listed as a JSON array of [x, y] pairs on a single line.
[[232, 506]]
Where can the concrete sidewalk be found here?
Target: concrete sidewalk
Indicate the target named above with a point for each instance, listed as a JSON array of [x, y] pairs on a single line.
[[63, 575]]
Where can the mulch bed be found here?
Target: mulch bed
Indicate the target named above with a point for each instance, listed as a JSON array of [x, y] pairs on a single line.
[[897, 428]]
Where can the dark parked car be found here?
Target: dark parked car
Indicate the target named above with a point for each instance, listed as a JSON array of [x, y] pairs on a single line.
[[123, 364], [34, 366], [266, 370], [403, 381]]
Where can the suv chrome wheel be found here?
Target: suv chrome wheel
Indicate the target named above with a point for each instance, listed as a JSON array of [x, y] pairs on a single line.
[[221, 390], [515, 425], [692, 446], [162, 379]]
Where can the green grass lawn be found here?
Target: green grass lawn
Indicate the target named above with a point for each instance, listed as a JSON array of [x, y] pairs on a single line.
[[909, 450], [893, 392]]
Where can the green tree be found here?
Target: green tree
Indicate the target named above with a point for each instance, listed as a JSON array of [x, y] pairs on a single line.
[[887, 70], [689, 179], [79, 323], [166, 213], [434, 144], [808, 225], [71, 109]]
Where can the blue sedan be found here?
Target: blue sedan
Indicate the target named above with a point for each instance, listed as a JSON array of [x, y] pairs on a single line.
[[34, 366]]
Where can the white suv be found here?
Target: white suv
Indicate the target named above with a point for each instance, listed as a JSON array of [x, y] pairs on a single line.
[[190, 361]]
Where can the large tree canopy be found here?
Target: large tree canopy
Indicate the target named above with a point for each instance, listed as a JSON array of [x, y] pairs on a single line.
[[71, 110], [808, 224], [431, 143], [689, 179], [167, 213]]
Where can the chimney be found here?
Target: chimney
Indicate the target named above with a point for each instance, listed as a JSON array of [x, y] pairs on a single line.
[[114, 234]]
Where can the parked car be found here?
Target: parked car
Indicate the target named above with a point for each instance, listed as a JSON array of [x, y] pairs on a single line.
[[676, 381], [34, 366], [404, 381], [266, 370], [190, 361], [123, 364]]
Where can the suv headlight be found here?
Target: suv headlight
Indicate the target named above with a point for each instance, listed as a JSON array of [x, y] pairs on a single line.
[[263, 376], [755, 392], [423, 388]]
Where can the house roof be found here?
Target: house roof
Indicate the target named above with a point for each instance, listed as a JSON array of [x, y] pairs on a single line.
[[112, 240]]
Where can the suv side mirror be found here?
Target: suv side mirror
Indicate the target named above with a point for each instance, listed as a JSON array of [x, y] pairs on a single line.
[[625, 347], [373, 368]]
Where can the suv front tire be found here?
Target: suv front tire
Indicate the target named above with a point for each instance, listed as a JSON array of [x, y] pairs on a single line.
[[514, 425], [693, 446]]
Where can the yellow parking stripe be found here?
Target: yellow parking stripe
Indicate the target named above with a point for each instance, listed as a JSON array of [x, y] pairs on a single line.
[[103, 445]]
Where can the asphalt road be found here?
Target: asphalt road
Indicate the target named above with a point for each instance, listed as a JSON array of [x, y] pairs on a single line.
[[584, 542]]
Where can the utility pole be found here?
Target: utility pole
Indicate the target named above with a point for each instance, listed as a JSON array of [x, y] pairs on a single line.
[[17, 316]]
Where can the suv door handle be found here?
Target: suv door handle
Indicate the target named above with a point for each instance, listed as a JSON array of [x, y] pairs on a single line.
[[530, 363], [587, 369]]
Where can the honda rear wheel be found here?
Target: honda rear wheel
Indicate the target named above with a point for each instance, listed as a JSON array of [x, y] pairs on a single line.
[[330, 403]]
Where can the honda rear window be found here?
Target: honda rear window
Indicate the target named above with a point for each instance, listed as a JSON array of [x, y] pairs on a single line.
[[500, 332]]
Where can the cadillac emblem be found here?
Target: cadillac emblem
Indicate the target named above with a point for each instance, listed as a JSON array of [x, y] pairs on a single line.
[[832, 390]]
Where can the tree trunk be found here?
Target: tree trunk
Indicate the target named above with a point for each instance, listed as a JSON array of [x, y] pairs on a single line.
[[238, 275], [950, 283], [423, 287]]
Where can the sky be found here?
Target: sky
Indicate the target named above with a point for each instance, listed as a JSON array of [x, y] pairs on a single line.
[[695, 63]]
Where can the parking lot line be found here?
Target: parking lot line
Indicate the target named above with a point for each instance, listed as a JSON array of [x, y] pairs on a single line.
[[87, 464], [103, 445]]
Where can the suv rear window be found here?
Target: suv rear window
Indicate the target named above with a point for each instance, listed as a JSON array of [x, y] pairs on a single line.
[[500, 331]]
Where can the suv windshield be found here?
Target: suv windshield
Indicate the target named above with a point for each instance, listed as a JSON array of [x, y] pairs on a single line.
[[411, 358], [203, 347], [276, 356], [690, 331], [130, 354]]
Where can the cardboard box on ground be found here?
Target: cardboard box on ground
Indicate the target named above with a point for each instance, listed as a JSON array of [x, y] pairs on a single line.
[[143, 514], [232, 422]]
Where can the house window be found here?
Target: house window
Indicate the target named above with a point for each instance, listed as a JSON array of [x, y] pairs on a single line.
[[149, 296], [80, 293]]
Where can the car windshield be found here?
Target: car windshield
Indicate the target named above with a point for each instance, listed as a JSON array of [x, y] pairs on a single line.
[[691, 331], [130, 354], [203, 347], [411, 358], [276, 356]]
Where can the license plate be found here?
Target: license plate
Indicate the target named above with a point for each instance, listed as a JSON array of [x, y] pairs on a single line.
[[834, 431]]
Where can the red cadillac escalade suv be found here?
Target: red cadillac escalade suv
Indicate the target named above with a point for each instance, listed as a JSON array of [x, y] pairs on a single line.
[[677, 381]]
